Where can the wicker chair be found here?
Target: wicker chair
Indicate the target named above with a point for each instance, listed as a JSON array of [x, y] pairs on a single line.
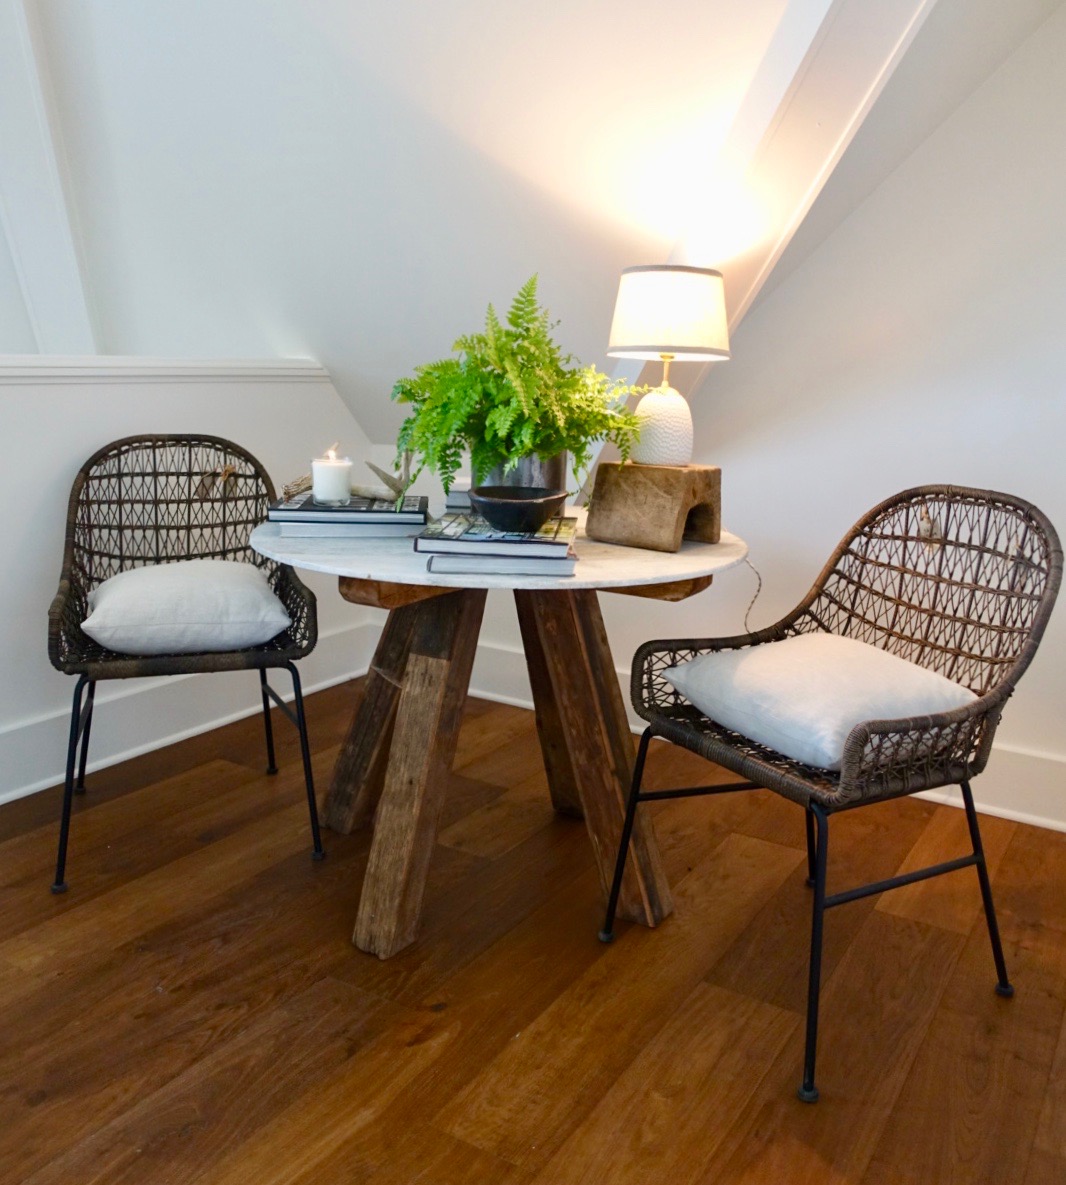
[[959, 581], [153, 500]]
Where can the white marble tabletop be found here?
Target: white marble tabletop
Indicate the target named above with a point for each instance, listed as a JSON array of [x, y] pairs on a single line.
[[599, 565]]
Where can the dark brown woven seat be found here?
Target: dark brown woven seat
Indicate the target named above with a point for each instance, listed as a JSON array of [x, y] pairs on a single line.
[[959, 581], [151, 500]]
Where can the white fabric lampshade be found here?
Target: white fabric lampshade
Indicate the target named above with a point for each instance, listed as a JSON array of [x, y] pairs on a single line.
[[670, 309]]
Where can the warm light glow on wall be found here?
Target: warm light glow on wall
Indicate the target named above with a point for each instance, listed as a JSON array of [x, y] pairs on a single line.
[[724, 219], [582, 105]]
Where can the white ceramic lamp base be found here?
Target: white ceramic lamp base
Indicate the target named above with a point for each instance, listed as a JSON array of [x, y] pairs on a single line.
[[665, 429]]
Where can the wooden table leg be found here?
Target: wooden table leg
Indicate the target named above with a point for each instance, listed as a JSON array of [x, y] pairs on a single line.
[[562, 783], [360, 769], [440, 657], [592, 722]]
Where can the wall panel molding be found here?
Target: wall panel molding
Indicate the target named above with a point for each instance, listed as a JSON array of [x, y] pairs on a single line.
[[119, 369]]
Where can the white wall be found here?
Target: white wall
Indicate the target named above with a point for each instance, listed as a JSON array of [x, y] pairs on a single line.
[[921, 341], [52, 418], [354, 183], [16, 333]]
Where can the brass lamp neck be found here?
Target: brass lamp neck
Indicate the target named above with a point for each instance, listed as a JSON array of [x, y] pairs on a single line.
[[666, 359]]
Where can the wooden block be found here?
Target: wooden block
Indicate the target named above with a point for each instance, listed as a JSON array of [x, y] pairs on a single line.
[[655, 506], [673, 590], [386, 594]]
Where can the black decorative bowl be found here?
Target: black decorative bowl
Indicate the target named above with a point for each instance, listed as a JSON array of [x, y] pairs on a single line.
[[519, 509]]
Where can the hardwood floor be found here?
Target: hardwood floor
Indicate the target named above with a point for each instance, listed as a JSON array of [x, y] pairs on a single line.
[[193, 1010]]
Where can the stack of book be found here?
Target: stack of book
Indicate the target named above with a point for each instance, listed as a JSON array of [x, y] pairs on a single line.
[[361, 518], [465, 544]]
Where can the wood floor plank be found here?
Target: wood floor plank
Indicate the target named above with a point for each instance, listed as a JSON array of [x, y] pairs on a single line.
[[132, 835], [506, 764], [952, 901], [196, 1117], [1045, 1169], [529, 1099], [1051, 1131], [493, 731], [473, 912], [652, 1125], [494, 829], [165, 1000], [500, 993], [378, 1154], [123, 912], [875, 1011], [769, 959], [333, 1108], [981, 1124], [193, 1011]]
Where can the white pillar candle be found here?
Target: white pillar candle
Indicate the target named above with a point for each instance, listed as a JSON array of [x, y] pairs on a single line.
[[331, 478]]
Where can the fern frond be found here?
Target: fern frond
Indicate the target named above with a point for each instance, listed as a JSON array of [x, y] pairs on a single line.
[[524, 311]]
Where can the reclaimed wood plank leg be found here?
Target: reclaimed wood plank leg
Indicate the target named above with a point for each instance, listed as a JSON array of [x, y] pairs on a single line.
[[360, 770], [596, 732], [562, 782], [426, 728]]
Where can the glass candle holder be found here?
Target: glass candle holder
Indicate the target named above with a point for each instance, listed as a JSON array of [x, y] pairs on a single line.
[[331, 480]]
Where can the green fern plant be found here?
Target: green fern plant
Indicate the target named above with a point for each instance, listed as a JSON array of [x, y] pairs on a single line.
[[510, 393]]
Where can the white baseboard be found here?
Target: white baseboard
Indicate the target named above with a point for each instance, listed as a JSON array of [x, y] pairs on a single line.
[[1024, 786], [135, 716], [1020, 785]]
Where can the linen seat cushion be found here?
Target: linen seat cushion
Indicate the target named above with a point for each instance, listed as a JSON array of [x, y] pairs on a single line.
[[803, 695], [189, 606]]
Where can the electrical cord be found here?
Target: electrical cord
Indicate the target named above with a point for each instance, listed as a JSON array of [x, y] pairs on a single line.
[[755, 597]]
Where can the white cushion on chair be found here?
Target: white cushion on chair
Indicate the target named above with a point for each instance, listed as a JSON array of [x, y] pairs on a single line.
[[183, 607], [803, 695]]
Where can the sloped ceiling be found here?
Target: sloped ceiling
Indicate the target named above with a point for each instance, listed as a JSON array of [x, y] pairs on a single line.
[[354, 182]]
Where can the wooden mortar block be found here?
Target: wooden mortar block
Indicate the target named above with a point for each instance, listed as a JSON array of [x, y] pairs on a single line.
[[655, 506]]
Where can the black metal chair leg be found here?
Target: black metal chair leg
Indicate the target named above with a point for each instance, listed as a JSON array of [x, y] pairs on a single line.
[[79, 785], [272, 765], [59, 885], [607, 933], [810, 846], [1003, 987], [305, 750], [808, 1092]]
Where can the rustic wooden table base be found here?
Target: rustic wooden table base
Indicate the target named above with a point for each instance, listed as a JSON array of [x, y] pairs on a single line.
[[394, 766]]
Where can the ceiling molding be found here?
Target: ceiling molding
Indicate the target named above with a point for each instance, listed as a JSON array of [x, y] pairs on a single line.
[[849, 62], [103, 369]]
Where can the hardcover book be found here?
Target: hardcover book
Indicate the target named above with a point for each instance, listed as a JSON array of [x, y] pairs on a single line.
[[348, 530], [469, 534], [304, 509], [503, 565]]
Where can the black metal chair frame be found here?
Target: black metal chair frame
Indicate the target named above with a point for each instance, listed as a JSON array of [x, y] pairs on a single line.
[[148, 500], [959, 580]]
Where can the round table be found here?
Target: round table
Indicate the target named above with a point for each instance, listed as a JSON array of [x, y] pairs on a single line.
[[394, 766]]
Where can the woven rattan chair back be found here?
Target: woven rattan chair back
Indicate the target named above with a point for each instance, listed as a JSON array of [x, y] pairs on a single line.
[[153, 499], [959, 581], [149, 500]]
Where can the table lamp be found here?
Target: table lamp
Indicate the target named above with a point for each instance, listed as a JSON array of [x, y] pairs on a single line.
[[668, 312]]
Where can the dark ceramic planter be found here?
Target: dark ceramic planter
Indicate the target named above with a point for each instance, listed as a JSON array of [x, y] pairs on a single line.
[[531, 472]]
